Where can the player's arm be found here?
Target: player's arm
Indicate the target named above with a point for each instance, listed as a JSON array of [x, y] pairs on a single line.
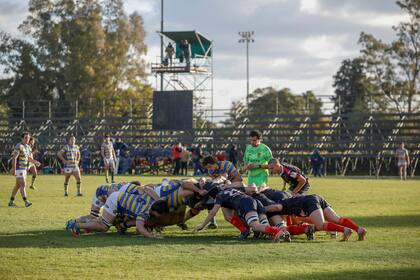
[[15, 155], [210, 216], [113, 152], [407, 157], [301, 182], [190, 186], [102, 151], [30, 159], [149, 190], [78, 156], [142, 230], [274, 208]]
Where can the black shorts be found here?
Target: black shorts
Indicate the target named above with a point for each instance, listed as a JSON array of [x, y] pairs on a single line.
[[276, 196], [304, 189], [312, 203], [249, 204]]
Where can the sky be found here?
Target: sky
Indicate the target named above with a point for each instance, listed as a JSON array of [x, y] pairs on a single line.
[[299, 44]]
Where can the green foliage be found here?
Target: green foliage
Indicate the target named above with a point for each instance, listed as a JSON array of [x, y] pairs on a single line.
[[394, 67], [36, 238], [354, 92], [76, 50]]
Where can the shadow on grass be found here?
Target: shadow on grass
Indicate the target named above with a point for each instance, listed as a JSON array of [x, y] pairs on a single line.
[[61, 239], [389, 273], [388, 221]]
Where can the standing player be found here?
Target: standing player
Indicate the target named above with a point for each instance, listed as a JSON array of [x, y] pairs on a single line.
[[32, 167], [291, 175], [20, 158], [108, 154], [403, 160], [256, 157], [70, 157]]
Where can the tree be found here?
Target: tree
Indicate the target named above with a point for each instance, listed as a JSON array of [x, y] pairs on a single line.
[[354, 92], [77, 50], [394, 67]]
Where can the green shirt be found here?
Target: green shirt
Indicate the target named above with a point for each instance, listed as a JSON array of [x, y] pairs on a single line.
[[258, 155]]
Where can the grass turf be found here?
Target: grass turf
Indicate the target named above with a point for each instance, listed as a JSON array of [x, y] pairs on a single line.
[[34, 245]]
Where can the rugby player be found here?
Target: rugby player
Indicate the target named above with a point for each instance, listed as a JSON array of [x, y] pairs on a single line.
[[70, 157], [109, 157], [133, 205], [319, 212], [20, 158], [292, 175], [247, 208]]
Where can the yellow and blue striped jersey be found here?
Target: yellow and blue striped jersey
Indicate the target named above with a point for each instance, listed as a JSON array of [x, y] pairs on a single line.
[[174, 197], [135, 205], [172, 186], [132, 189], [71, 154], [102, 192], [222, 168], [23, 151]]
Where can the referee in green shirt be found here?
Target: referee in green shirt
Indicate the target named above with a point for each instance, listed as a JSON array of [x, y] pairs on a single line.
[[256, 157]]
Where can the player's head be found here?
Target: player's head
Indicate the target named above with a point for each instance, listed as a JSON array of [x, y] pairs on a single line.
[[107, 138], [26, 136], [274, 164], [402, 145], [212, 189], [210, 163], [71, 139], [255, 138]]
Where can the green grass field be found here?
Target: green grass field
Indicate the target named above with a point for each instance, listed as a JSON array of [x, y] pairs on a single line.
[[34, 245]]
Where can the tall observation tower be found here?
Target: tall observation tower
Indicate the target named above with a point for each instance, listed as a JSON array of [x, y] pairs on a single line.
[[184, 85]]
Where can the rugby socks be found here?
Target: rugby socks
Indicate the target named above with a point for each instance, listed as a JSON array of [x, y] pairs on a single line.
[[66, 189], [264, 221], [24, 198], [271, 230], [328, 226], [79, 188], [33, 181], [112, 176], [297, 229], [12, 199], [237, 222], [348, 223]]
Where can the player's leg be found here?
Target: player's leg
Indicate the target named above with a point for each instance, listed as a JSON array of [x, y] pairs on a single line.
[[404, 171], [67, 174], [112, 170], [22, 189], [106, 169], [318, 219], [15, 189], [331, 216], [78, 177], [34, 172], [234, 219]]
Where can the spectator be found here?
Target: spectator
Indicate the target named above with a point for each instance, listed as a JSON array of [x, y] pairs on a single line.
[[185, 160], [403, 160], [185, 52], [176, 157], [196, 155], [317, 160], [233, 154], [220, 156], [169, 50]]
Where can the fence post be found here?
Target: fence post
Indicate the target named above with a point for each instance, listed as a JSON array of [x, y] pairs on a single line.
[[23, 109]]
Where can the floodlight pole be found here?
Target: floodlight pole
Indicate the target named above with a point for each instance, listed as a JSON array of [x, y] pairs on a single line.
[[161, 42], [246, 38]]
